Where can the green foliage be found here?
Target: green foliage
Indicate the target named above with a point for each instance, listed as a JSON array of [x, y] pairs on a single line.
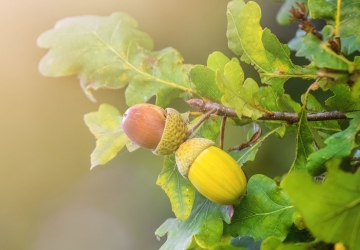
[[105, 125], [180, 191], [304, 143], [259, 46], [301, 210], [264, 211], [204, 224], [272, 243], [123, 56], [339, 145], [322, 56], [331, 209], [346, 18]]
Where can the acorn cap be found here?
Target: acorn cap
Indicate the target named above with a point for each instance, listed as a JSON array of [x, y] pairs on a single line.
[[186, 154], [175, 133]]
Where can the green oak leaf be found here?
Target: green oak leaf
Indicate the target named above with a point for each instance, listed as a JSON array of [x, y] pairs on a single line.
[[349, 21], [204, 77], [322, 55], [217, 60], [264, 211], [260, 47], [223, 245], [109, 52], [205, 224], [273, 243], [330, 209], [204, 80], [304, 143], [105, 125], [238, 95], [247, 242], [350, 44], [249, 153], [339, 145], [343, 100], [179, 189]]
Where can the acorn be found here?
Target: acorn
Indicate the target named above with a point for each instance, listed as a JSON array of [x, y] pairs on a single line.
[[155, 128], [213, 172]]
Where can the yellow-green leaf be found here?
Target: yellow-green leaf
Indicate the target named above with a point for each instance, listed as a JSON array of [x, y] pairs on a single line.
[[260, 47], [109, 52], [105, 125], [238, 95], [331, 209], [179, 189]]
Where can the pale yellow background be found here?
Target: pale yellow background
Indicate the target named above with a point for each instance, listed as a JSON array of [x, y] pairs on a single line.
[[49, 200]]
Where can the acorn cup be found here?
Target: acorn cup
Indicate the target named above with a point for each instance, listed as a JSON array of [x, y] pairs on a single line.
[[213, 172]]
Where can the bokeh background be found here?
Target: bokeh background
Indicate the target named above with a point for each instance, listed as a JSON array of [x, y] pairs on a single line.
[[49, 199]]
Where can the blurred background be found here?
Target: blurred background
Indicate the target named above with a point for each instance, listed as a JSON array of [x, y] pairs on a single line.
[[49, 199]]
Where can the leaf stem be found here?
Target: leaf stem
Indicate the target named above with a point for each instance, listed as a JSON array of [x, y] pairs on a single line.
[[275, 116], [337, 21]]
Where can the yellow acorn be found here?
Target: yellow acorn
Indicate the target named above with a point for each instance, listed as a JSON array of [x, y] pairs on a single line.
[[213, 172], [155, 128]]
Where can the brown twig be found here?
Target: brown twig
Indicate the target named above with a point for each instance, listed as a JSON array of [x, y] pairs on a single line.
[[275, 116], [201, 120], [253, 139]]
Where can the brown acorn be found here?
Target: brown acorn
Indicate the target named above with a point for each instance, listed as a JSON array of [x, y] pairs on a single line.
[[155, 128]]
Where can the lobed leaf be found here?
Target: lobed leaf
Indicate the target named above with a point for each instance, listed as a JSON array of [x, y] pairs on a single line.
[[247, 242], [205, 224], [349, 17], [179, 189], [330, 210], [339, 145], [204, 77], [264, 211], [272, 243], [105, 125], [109, 52], [304, 143], [343, 100], [238, 95], [350, 44], [260, 47], [322, 55]]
